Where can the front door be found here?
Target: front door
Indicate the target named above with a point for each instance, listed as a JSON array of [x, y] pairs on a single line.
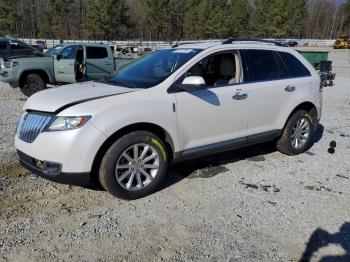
[[66, 64], [217, 113]]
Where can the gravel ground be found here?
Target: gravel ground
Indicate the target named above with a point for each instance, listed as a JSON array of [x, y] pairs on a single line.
[[252, 204]]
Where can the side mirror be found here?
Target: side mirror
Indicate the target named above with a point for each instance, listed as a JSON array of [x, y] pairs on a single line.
[[57, 57], [192, 83]]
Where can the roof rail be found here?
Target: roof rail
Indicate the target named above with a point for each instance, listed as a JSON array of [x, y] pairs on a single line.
[[232, 40], [187, 43], [179, 43]]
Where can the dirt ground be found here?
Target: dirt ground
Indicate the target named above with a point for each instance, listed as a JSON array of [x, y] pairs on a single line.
[[252, 204]]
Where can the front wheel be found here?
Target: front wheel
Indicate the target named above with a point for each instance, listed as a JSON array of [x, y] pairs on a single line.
[[31, 84], [297, 134], [134, 165]]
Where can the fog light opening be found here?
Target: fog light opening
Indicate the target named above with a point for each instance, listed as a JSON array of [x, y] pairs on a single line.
[[51, 169]]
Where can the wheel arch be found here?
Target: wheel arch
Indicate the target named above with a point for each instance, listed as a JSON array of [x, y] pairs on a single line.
[[310, 108], [40, 72], [144, 126]]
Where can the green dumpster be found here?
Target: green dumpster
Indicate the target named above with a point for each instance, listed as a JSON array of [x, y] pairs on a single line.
[[315, 57]]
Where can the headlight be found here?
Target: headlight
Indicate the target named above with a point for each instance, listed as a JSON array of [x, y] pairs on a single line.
[[62, 123], [5, 65], [20, 122]]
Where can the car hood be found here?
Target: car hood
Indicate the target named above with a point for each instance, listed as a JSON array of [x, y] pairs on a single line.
[[57, 99]]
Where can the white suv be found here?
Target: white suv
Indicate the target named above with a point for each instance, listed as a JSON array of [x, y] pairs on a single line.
[[173, 104]]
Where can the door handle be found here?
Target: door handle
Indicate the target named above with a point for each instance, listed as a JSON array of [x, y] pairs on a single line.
[[108, 64], [240, 96], [290, 88]]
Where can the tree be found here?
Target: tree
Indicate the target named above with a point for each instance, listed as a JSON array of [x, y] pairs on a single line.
[[174, 19], [206, 19], [297, 12], [277, 19], [259, 19], [60, 9], [7, 17], [105, 19], [346, 25], [238, 16]]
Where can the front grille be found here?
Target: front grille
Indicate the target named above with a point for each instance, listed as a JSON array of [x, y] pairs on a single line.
[[32, 125]]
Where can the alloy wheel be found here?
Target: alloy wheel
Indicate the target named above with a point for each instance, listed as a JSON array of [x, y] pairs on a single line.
[[137, 166], [300, 133]]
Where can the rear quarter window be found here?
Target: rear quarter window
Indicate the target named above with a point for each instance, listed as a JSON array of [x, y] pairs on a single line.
[[96, 52], [295, 67]]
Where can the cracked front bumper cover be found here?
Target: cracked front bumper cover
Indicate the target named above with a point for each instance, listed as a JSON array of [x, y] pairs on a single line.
[[52, 171]]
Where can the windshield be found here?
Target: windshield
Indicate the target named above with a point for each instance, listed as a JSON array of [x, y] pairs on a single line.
[[152, 69], [54, 50]]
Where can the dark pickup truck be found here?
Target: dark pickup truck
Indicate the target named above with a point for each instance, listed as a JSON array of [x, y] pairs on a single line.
[[10, 48]]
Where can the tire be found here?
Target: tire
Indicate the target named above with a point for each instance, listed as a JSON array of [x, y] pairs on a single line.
[[299, 125], [116, 171], [32, 83]]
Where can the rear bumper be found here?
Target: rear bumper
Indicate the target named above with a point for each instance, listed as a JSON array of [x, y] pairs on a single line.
[[29, 163]]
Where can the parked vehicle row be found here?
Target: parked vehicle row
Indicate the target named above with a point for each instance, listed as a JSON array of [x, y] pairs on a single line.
[[171, 105], [131, 51]]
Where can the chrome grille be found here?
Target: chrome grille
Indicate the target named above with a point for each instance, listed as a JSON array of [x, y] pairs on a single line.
[[32, 125]]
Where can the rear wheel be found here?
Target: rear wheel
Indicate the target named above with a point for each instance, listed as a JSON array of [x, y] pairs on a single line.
[[134, 165], [297, 134], [32, 84]]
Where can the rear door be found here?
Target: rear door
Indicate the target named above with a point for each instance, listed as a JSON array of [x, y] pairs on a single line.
[[270, 89], [98, 63], [65, 65]]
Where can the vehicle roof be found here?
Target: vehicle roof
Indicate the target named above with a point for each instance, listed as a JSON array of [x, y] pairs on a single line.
[[83, 44], [238, 44]]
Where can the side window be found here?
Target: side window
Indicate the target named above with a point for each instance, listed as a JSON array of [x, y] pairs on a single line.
[[260, 65], [69, 52], [93, 52], [15, 45], [3, 46], [295, 67], [218, 70], [282, 69], [125, 51]]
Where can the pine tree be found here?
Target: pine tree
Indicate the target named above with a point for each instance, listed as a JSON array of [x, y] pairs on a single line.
[[297, 11], [277, 19], [7, 17], [238, 18], [60, 23], [259, 20], [105, 19]]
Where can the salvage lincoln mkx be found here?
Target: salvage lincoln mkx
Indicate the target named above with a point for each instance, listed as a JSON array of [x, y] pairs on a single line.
[[173, 104]]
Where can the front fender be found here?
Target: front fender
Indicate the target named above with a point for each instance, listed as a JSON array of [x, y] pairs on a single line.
[[23, 71], [113, 113]]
